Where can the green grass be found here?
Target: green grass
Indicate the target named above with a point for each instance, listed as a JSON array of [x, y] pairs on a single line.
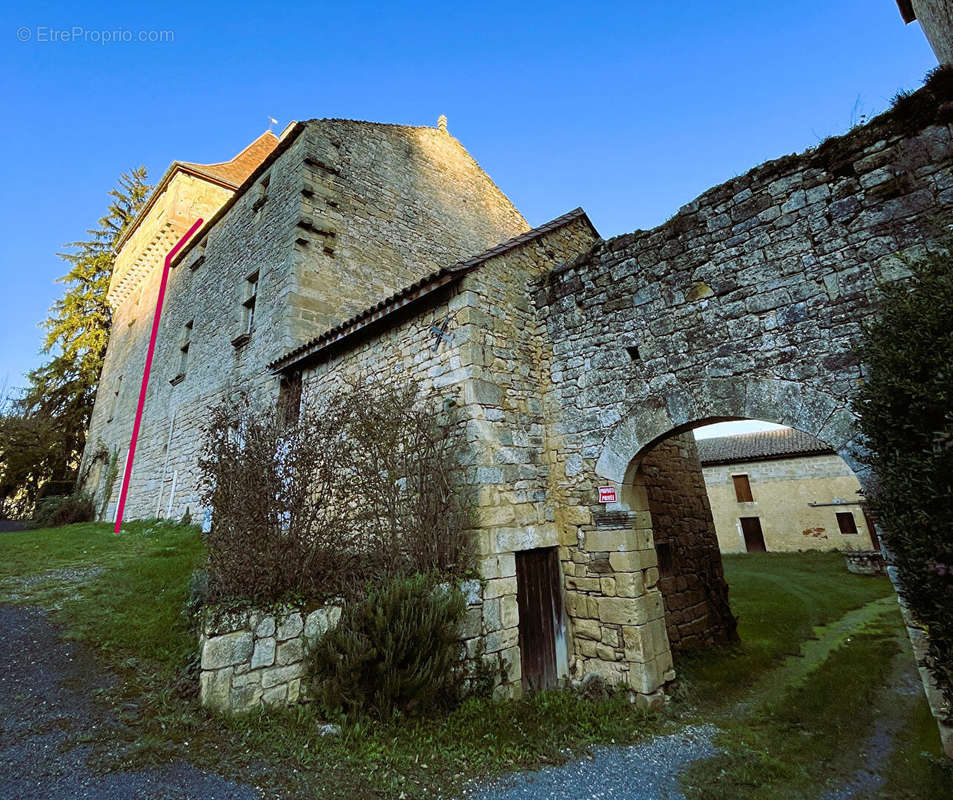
[[786, 749], [918, 767], [779, 598], [132, 609], [131, 612]]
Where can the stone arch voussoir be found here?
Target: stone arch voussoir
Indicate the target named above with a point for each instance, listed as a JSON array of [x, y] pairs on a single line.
[[680, 406]]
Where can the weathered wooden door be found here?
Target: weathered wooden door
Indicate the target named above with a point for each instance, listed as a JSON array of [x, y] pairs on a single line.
[[754, 536], [539, 599]]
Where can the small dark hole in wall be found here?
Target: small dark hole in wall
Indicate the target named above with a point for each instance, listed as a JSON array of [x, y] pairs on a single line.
[[633, 352], [666, 563]]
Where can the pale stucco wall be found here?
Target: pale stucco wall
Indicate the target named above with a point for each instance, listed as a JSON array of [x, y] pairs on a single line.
[[783, 491]]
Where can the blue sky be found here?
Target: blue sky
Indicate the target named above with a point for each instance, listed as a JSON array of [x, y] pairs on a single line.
[[629, 110]]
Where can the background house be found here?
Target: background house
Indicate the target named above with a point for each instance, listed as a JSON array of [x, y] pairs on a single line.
[[782, 490]]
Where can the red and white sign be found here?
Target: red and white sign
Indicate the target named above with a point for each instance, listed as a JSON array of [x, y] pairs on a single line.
[[607, 494]]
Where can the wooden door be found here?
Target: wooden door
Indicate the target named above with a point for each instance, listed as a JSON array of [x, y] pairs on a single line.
[[754, 537], [539, 600]]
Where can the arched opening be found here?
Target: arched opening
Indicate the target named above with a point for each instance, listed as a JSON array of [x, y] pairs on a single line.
[[730, 487]]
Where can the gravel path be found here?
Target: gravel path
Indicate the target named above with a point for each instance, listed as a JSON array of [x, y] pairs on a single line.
[[641, 772], [45, 685]]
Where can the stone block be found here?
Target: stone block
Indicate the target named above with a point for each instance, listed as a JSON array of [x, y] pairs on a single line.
[[632, 560], [320, 621], [276, 696], [264, 654], [509, 611], [502, 639], [289, 626], [629, 584], [472, 623], [215, 689], [527, 537], [587, 629], [628, 610], [289, 652], [278, 675], [499, 587], [227, 650], [265, 627]]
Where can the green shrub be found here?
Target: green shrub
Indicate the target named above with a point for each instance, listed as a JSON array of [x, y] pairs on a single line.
[[397, 650], [906, 415], [51, 512]]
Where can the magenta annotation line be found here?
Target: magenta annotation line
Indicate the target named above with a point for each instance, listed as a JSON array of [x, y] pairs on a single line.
[[127, 472]]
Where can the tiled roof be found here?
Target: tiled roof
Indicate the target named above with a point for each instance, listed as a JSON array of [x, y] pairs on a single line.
[[230, 174], [417, 289], [235, 172], [759, 446]]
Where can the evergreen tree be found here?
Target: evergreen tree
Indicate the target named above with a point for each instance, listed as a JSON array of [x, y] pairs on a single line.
[[60, 394]]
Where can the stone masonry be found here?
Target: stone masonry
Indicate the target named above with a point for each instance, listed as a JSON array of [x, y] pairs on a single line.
[[570, 357], [691, 579], [255, 657]]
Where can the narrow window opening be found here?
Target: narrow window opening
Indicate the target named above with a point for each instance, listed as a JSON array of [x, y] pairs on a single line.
[[289, 398], [846, 522], [633, 351], [742, 488], [251, 300], [184, 353], [666, 560], [114, 405]]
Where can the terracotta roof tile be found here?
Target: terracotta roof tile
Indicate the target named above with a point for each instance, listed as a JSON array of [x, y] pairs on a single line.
[[759, 446], [235, 172]]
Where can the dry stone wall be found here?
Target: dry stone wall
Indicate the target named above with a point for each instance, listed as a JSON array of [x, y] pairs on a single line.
[[254, 657]]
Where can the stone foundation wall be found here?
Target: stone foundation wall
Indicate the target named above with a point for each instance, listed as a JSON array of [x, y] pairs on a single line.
[[691, 578], [865, 562], [255, 658]]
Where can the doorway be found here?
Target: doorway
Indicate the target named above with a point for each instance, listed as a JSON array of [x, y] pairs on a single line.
[[538, 597], [754, 536]]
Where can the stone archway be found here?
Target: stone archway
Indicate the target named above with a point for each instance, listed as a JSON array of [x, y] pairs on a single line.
[[797, 405]]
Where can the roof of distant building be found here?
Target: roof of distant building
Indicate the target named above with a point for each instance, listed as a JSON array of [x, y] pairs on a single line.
[[760, 446]]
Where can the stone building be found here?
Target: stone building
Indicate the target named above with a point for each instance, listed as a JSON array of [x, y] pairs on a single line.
[[936, 19], [782, 490], [381, 250]]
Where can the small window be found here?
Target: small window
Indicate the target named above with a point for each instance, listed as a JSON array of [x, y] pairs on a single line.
[[742, 488], [666, 562], [114, 404], [251, 300], [633, 351], [289, 397], [846, 523], [184, 352]]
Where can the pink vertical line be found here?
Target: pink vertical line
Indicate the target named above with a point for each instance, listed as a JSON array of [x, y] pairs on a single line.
[[127, 472]]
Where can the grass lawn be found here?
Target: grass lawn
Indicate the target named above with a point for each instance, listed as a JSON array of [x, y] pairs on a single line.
[[124, 595]]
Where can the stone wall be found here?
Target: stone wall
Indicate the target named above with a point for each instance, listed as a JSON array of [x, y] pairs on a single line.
[[342, 214], [488, 365], [783, 491], [254, 658], [251, 658], [691, 578]]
